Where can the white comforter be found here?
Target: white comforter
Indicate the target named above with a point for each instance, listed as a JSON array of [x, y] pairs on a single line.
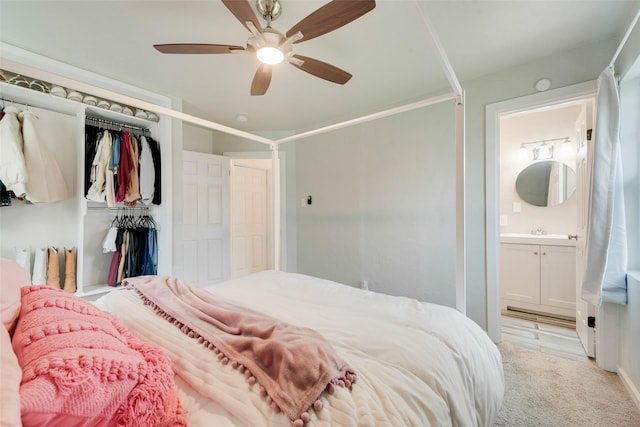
[[418, 364]]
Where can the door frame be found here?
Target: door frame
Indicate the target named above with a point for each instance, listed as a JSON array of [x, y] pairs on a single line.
[[283, 202], [492, 182]]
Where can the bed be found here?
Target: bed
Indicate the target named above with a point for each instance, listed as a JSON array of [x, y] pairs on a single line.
[[417, 364]]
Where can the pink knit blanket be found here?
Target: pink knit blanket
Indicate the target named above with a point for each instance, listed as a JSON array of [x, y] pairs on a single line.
[[82, 367], [293, 365]]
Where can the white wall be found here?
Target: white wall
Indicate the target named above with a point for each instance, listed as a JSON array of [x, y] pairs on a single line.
[[383, 204], [536, 126]]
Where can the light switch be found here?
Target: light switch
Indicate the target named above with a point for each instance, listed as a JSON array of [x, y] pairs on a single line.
[[517, 207], [504, 220]]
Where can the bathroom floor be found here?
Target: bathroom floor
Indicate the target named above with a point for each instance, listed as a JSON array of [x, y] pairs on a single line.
[[553, 339]]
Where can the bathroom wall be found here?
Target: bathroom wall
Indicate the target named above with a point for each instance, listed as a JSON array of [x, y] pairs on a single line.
[[516, 129]]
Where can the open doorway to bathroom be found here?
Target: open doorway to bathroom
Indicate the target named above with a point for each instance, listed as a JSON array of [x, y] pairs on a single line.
[[533, 216]]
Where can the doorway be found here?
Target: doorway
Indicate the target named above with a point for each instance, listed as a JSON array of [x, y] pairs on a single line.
[[494, 113], [251, 218], [251, 223]]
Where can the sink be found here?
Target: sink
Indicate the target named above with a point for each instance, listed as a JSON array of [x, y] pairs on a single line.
[[537, 239]]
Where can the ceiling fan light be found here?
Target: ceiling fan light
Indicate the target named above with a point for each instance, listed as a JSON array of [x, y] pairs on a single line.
[[270, 55]]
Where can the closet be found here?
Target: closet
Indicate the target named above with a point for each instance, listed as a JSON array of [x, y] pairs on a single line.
[[76, 221]]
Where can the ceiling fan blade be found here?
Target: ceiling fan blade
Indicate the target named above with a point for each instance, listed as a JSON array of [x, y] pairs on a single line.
[[243, 12], [321, 69], [261, 80], [330, 17], [197, 48]]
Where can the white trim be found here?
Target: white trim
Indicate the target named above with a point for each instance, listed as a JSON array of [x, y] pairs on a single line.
[[461, 234], [492, 181], [276, 207]]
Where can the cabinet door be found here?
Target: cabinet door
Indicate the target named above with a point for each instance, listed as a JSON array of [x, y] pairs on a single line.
[[558, 276], [520, 272]]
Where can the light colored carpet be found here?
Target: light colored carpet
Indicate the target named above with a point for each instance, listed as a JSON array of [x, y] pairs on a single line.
[[545, 390]]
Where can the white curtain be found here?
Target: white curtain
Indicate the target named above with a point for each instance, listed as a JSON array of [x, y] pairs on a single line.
[[605, 278]]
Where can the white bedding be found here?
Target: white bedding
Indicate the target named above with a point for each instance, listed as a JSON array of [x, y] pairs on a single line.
[[418, 364]]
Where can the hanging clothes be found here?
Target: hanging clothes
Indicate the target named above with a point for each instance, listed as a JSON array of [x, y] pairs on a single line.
[[92, 135], [132, 194], [46, 182], [124, 167], [157, 184], [134, 244], [13, 170], [128, 172], [97, 191], [147, 172]]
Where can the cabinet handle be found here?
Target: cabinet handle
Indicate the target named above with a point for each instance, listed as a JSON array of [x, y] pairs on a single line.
[[535, 253], [544, 253], [573, 236]]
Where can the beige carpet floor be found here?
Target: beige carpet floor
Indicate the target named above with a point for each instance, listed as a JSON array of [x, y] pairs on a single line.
[[546, 390]]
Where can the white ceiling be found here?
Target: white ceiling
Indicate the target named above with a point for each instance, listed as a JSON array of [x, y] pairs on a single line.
[[387, 50]]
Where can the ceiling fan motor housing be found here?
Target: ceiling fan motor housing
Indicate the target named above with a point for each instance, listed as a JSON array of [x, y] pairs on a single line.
[[269, 9]]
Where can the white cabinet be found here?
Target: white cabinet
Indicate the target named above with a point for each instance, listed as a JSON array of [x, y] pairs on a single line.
[[76, 222], [539, 278]]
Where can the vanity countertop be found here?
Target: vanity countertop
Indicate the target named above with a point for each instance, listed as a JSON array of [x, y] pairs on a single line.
[[537, 239]]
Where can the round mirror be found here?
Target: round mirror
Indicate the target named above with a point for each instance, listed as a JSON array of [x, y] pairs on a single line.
[[547, 183]]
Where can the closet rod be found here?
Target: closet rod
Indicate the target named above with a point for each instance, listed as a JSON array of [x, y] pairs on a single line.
[[120, 208], [27, 106], [101, 121]]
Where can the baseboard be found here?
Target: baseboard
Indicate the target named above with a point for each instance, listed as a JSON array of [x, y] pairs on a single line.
[[630, 386]]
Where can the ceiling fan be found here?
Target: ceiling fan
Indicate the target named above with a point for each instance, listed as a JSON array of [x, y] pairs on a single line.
[[272, 47]]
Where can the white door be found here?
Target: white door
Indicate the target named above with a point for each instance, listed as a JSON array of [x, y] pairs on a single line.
[[205, 233], [584, 161], [250, 225]]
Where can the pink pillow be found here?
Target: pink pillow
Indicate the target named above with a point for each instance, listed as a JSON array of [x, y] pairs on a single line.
[[11, 375], [81, 367], [12, 278]]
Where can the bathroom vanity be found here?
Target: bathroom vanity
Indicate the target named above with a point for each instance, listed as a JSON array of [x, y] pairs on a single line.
[[538, 273]]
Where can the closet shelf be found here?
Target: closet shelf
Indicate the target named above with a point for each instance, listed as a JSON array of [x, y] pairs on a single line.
[[20, 95], [25, 96]]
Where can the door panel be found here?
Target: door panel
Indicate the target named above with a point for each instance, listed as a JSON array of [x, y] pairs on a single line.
[[206, 232], [249, 229]]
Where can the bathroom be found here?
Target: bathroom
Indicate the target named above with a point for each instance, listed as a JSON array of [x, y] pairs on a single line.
[[541, 213]]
